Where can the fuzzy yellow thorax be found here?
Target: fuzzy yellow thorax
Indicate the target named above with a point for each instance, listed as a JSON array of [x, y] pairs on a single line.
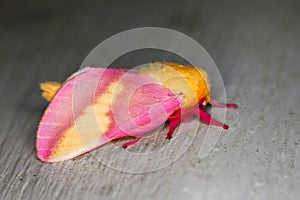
[[190, 83]]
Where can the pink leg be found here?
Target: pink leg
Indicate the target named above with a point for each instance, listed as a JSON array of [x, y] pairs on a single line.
[[132, 142], [218, 104], [173, 124], [174, 120], [206, 118]]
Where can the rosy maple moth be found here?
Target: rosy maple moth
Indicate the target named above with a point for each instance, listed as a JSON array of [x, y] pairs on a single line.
[[97, 105]]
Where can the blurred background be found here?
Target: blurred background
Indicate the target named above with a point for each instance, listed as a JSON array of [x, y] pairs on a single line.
[[256, 46]]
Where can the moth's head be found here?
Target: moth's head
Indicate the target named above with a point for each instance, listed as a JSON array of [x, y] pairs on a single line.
[[190, 83]]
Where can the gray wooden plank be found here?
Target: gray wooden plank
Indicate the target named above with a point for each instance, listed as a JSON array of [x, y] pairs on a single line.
[[256, 46]]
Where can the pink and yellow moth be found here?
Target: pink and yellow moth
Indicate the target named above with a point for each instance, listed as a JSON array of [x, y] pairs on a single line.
[[98, 105]]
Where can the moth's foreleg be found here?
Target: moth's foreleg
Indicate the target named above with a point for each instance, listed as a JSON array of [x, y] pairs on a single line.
[[216, 103], [206, 118]]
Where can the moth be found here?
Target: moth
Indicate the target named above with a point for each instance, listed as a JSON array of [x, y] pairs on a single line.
[[98, 105]]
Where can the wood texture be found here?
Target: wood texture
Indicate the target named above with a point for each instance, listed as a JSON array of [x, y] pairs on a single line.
[[256, 46]]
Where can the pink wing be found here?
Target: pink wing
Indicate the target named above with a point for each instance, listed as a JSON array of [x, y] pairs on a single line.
[[98, 105]]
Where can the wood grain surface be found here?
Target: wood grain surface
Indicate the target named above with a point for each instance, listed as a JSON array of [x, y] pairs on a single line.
[[256, 46]]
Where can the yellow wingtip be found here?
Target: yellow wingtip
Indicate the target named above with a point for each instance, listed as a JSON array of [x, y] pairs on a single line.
[[49, 89]]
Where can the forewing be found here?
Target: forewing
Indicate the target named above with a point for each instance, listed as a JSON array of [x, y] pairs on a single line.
[[97, 105]]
